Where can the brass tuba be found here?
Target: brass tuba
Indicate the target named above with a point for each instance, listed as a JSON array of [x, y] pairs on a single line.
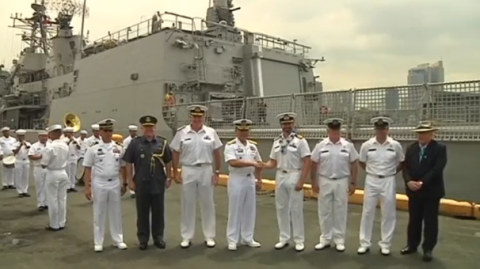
[[72, 120]]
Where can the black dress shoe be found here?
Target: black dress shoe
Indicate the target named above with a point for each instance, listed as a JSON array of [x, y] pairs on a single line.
[[20, 195], [427, 256], [5, 188], [26, 195], [73, 190], [160, 244], [61, 228], [408, 250], [50, 229], [132, 196], [41, 208], [11, 187], [142, 246]]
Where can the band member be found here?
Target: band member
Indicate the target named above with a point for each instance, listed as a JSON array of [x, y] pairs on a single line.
[[197, 149], [6, 142], [95, 137], [334, 176], [82, 142], [105, 159], [290, 155], [54, 159], [132, 129], [245, 166], [150, 156], [382, 158], [35, 155], [423, 175], [74, 151], [22, 163]]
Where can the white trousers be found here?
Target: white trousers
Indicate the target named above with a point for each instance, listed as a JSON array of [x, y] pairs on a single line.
[[289, 205], [72, 174], [21, 171], [8, 176], [197, 182], [132, 192], [332, 209], [107, 199], [56, 185], [241, 208], [385, 190], [39, 175]]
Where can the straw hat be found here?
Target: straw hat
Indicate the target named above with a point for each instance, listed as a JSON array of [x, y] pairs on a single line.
[[424, 127]]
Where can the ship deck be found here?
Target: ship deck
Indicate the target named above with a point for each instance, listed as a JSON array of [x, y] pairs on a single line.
[[73, 248]]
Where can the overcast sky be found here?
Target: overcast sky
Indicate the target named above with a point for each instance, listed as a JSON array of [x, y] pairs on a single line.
[[365, 43]]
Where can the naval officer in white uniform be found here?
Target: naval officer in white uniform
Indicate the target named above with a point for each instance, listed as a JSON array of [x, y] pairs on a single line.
[[95, 137], [334, 176], [39, 173], [197, 150], [54, 159], [244, 166], [132, 129], [381, 157], [290, 155], [6, 142], [105, 159], [22, 163], [73, 152]]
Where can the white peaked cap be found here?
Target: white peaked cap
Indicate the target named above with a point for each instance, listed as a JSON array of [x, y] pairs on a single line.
[[95, 127], [54, 127], [21, 132], [42, 133], [83, 132], [132, 127], [68, 130], [6, 128]]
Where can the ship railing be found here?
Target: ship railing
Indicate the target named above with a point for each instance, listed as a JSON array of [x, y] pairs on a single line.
[[453, 107], [197, 26]]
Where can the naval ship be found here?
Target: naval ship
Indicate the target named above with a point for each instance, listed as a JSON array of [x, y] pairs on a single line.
[[161, 65]]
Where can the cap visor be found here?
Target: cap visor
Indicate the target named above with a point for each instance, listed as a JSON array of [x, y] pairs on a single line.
[[424, 130], [148, 124]]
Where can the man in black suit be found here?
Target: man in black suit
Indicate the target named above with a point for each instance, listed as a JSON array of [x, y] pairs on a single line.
[[423, 175]]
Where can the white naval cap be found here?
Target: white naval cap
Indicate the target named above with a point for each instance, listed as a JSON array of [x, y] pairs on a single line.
[[132, 127], [243, 124], [95, 127], [84, 132], [68, 130], [381, 122], [6, 128], [21, 132], [197, 110], [54, 127], [43, 132], [333, 123], [286, 117]]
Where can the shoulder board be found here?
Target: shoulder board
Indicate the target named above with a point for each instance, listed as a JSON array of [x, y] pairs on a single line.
[[231, 142], [118, 143], [96, 143], [181, 128], [252, 142], [299, 136]]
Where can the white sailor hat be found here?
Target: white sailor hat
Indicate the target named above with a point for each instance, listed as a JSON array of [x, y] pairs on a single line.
[[106, 124], [381, 122], [6, 128], [243, 124], [286, 117], [21, 132], [54, 127], [95, 127], [84, 132], [197, 110], [68, 130], [424, 127], [42, 132], [333, 123], [132, 127]]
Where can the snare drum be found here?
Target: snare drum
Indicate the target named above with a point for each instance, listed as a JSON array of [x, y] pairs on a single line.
[[9, 161], [80, 170]]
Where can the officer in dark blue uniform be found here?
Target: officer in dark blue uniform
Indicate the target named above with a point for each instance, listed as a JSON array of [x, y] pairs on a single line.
[[151, 158]]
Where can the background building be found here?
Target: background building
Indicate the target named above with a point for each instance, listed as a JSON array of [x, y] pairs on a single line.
[[426, 73]]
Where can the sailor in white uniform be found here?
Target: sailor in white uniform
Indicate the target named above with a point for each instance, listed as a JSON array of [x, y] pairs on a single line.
[[244, 166], [132, 129], [381, 157], [197, 149], [22, 163], [95, 137], [334, 176], [105, 159], [39, 173], [54, 159], [74, 151], [6, 142], [290, 155], [82, 143]]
